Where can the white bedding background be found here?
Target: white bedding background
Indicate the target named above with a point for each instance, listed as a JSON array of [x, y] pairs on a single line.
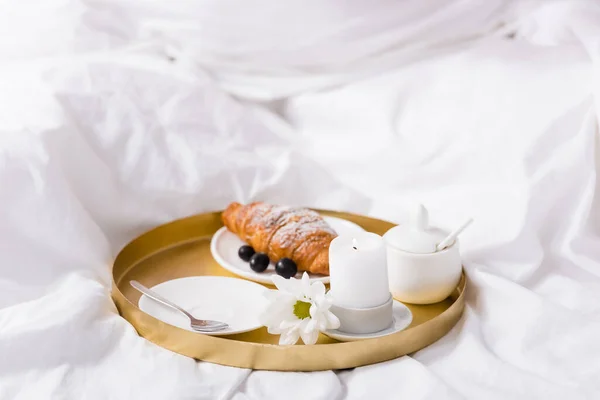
[[119, 115]]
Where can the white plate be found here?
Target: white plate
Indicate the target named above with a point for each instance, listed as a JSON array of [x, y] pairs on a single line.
[[224, 247], [402, 319], [234, 301]]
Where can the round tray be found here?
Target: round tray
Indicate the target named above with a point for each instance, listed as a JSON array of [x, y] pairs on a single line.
[[182, 248]]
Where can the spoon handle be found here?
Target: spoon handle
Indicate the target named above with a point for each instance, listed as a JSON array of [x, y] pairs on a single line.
[[155, 296], [452, 236]]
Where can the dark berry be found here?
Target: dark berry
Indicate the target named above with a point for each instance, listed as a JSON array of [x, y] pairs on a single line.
[[245, 253], [286, 268], [259, 262]]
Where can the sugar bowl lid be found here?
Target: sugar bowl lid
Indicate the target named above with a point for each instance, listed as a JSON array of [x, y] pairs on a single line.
[[416, 236]]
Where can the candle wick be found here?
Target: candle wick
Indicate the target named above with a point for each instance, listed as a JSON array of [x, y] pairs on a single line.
[[354, 244]]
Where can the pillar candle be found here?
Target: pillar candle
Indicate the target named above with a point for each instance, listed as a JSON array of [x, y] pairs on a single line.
[[358, 271]]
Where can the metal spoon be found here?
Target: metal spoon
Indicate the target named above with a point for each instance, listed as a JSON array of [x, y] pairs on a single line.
[[200, 325]]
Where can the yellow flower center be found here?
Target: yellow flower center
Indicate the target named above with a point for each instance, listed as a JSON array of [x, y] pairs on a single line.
[[302, 309]]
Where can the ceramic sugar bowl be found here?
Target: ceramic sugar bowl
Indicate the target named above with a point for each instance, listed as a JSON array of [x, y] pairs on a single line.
[[420, 271]]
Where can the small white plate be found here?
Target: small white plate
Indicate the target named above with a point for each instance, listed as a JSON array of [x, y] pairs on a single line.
[[234, 301], [224, 247], [402, 319]]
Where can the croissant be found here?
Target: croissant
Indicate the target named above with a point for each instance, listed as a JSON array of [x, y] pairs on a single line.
[[296, 233]]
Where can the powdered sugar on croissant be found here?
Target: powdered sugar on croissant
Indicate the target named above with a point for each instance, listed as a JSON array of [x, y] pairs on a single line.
[[297, 233]]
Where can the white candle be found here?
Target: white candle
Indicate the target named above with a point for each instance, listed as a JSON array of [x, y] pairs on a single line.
[[358, 271]]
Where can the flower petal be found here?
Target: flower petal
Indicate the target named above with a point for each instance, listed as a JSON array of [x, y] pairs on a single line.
[[310, 332], [274, 330], [333, 322], [278, 310], [317, 290], [321, 321], [310, 325], [291, 286], [280, 283], [279, 306], [294, 323], [305, 282], [289, 337], [269, 320], [327, 299]]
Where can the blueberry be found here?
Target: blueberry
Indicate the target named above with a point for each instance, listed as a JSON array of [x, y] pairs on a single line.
[[286, 268], [259, 262], [245, 252]]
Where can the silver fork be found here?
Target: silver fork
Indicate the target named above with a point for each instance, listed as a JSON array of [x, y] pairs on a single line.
[[200, 325]]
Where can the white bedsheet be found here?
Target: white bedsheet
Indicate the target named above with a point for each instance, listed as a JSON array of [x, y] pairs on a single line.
[[486, 109]]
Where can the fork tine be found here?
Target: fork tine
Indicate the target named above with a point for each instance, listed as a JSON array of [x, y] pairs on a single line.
[[208, 324], [208, 330], [201, 326], [202, 323], [215, 327]]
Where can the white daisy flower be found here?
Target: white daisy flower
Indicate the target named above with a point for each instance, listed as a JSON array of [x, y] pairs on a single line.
[[298, 309]]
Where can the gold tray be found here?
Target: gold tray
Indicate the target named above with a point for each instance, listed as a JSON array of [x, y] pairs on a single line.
[[182, 248]]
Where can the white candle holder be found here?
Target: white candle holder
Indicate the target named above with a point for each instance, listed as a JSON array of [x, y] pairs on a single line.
[[364, 320], [359, 283]]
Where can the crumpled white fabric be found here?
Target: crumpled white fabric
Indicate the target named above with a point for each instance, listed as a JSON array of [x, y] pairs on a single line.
[[260, 49], [103, 136]]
